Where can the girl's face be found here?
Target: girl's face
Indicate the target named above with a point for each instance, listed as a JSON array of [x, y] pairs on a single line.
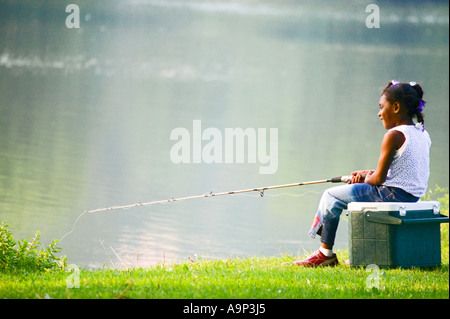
[[387, 113]]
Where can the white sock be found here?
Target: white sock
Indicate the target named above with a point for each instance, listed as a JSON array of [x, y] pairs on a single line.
[[326, 252]]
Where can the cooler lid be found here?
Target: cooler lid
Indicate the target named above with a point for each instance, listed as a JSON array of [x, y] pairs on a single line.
[[393, 206]]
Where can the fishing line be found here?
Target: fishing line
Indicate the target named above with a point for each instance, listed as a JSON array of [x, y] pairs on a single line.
[[211, 194], [74, 225]]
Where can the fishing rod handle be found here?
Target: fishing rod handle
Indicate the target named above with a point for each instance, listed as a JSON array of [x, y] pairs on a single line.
[[343, 179]]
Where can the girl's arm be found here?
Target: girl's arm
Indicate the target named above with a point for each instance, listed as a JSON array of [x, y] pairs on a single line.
[[392, 141]]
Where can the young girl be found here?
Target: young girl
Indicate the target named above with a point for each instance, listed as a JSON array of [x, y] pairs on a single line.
[[401, 174]]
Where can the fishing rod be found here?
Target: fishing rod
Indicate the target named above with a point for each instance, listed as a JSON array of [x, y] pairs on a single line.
[[339, 179]]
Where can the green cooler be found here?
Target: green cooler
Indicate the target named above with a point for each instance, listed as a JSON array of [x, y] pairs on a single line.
[[392, 234]]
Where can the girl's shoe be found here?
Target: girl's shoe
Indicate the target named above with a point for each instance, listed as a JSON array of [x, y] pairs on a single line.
[[318, 259]]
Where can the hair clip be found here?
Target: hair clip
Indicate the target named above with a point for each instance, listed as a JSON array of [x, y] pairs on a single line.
[[412, 83], [421, 106], [395, 82], [420, 126]]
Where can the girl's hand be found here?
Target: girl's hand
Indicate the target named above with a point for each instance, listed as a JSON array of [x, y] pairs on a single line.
[[360, 176]]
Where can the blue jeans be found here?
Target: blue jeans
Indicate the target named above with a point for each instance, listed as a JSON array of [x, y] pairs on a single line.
[[334, 200]]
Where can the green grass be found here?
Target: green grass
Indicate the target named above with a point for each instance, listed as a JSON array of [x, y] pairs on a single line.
[[244, 278]]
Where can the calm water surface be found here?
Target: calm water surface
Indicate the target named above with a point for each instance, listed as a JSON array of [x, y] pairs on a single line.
[[86, 116]]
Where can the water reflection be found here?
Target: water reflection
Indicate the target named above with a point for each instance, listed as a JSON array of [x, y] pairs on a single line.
[[86, 114]]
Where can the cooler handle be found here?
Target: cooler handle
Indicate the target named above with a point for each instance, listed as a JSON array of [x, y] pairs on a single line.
[[442, 219], [380, 218]]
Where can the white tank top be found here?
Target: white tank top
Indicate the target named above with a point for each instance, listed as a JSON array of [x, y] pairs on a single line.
[[410, 167]]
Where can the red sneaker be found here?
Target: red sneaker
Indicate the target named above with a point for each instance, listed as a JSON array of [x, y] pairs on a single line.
[[318, 259]]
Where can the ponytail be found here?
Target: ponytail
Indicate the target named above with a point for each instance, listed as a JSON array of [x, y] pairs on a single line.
[[421, 106]]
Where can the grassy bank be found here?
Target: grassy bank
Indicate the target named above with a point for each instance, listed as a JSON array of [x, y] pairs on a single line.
[[234, 278], [246, 278]]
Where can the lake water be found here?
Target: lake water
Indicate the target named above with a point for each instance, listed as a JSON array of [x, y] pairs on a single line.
[[86, 116]]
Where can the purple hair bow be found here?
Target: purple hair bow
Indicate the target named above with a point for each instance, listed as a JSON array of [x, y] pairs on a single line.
[[421, 106]]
